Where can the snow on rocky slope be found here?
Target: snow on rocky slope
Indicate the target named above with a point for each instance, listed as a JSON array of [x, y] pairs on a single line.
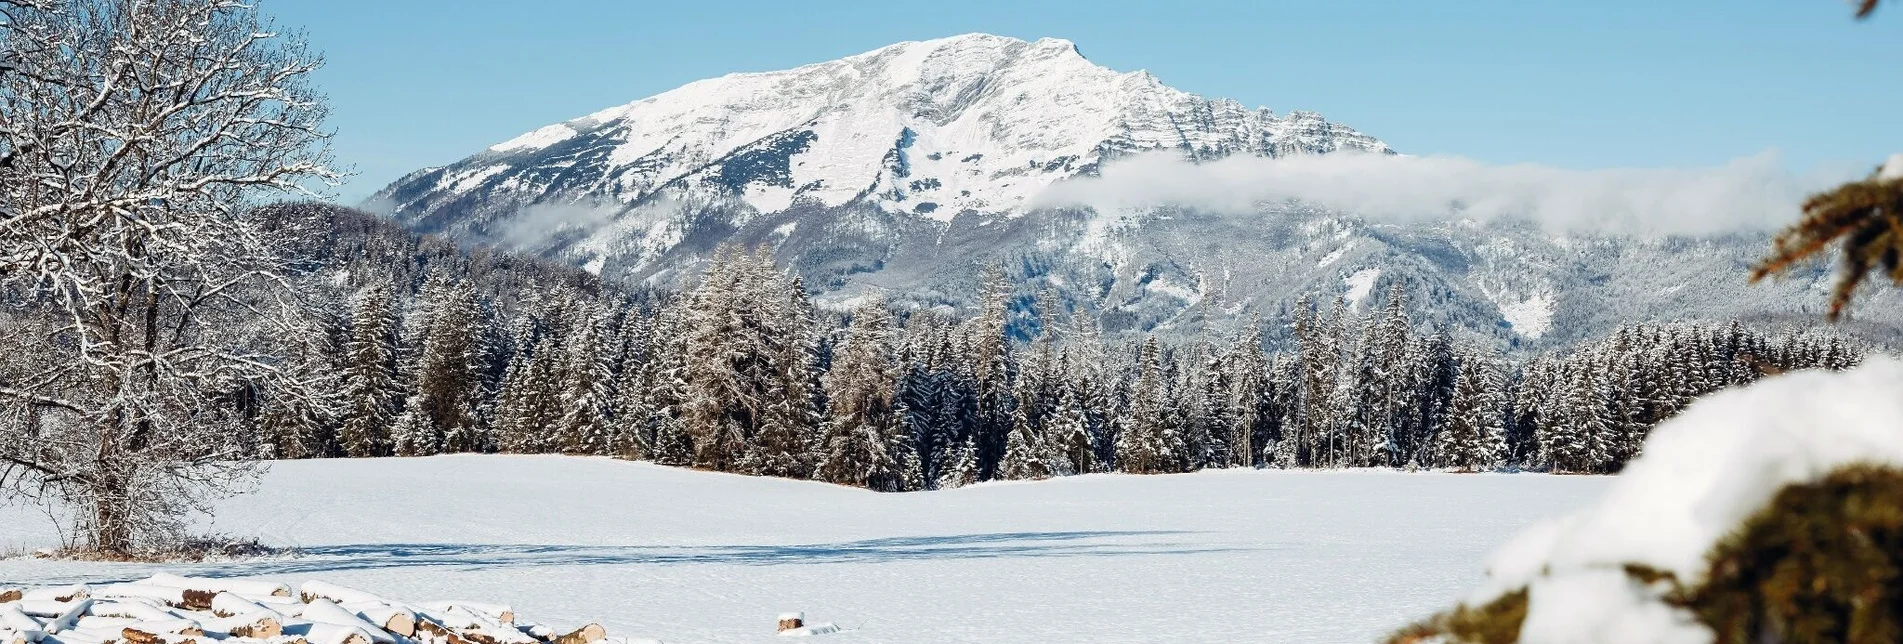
[[967, 124], [906, 169], [683, 556]]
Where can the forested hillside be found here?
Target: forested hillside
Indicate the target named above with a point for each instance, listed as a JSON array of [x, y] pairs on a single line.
[[431, 348]]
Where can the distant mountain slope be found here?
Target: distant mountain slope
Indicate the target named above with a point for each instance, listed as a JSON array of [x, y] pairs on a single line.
[[904, 169]]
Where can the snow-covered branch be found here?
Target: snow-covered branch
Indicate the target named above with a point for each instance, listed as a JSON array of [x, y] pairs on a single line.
[[132, 136]]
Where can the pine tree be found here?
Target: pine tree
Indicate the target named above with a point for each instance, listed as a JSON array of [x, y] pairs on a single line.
[[791, 421], [725, 366], [1199, 408], [1027, 456], [292, 428], [961, 467], [1390, 382], [1362, 412], [1248, 397], [583, 383], [1472, 438], [916, 404], [631, 437], [862, 423], [990, 360], [663, 391], [1070, 425], [413, 435], [1576, 443], [530, 401], [1145, 445], [1029, 451], [449, 370], [370, 392], [1091, 376], [1433, 370]]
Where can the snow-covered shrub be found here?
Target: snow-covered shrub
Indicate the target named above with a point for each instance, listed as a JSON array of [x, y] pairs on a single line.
[[1767, 513]]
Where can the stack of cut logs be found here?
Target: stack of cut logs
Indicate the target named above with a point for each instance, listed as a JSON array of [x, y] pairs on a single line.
[[169, 609]]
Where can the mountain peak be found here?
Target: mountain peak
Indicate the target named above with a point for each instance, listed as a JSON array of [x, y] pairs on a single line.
[[975, 41], [969, 125], [973, 123]]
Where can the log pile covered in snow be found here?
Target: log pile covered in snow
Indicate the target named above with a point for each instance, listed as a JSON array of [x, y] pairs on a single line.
[[169, 609]]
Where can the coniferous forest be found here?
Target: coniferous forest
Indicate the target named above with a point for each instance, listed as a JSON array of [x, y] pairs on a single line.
[[447, 350]]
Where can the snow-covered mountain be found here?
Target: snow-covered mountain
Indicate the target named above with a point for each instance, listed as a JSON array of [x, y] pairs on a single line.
[[969, 124], [903, 170]]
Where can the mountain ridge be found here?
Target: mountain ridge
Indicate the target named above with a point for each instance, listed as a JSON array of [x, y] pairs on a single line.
[[905, 169]]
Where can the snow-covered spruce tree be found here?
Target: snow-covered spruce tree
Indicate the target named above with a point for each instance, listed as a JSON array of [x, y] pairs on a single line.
[[1432, 371], [1145, 445], [1026, 454], [448, 371], [370, 393], [629, 436], [1283, 403], [791, 422], [730, 357], [961, 466], [862, 430], [519, 397], [1335, 403], [584, 384], [122, 213], [1075, 443], [663, 391], [1472, 439], [1310, 378], [990, 363], [1577, 439], [918, 404], [1198, 409], [1091, 386], [1248, 381], [1626, 378], [1029, 450], [1389, 380], [1363, 417], [303, 425], [410, 433]]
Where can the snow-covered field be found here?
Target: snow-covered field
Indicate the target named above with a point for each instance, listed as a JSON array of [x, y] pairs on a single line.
[[682, 556]]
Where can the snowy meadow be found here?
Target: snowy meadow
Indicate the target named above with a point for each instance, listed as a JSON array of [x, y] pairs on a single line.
[[685, 556]]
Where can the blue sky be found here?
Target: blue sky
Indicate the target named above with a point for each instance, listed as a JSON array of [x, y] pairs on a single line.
[[1572, 84]]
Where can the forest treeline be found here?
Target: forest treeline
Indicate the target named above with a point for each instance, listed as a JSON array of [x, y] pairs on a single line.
[[446, 352]]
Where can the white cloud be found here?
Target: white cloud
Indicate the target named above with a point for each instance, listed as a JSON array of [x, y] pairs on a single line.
[[1749, 193], [540, 223]]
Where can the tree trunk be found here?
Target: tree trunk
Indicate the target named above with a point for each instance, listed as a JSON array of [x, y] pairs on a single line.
[[112, 525]]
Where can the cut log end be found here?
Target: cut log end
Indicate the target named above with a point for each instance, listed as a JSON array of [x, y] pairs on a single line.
[[429, 631], [401, 623], [196, 599], [585, 635], [265, 628]]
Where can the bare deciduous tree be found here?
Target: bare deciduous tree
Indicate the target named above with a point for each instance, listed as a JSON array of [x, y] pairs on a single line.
[[149, 318]]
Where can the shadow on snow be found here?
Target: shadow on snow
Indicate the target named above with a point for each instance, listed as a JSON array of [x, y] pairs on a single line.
[[317, 559]]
